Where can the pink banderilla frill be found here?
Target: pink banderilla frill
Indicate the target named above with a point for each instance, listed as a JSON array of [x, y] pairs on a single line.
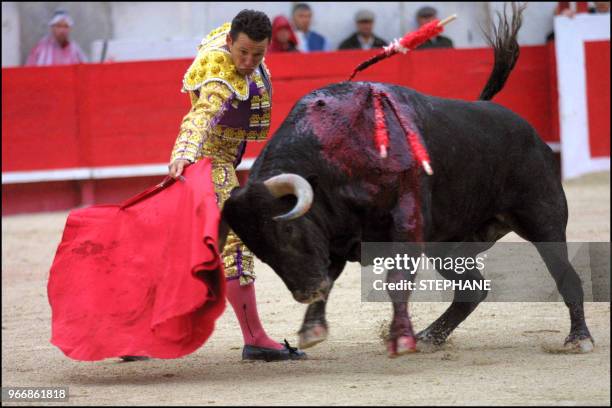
[[381, 135], [409, 42]]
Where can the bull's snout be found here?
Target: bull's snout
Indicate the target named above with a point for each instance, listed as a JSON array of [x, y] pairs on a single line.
[[313, 295]]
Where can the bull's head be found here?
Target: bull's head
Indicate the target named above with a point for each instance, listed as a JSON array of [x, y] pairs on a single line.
[[269, 218], [291, 221]]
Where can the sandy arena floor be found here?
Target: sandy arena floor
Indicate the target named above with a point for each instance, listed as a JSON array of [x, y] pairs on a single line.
[[496, 357]]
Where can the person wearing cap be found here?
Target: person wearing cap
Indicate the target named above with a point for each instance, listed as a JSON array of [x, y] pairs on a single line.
[[424, 16], [364, 37], [56, 48]]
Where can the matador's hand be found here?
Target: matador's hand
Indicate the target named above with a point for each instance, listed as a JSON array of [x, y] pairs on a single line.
[[176, 167]]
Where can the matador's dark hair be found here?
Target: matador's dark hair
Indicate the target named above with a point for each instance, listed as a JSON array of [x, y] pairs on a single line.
[[255, 24]]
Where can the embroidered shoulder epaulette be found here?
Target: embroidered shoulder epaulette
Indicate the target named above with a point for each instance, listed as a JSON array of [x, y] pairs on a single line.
[[216, 38], [213, 63]]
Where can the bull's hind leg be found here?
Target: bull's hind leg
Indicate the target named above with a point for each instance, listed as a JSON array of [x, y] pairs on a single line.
[[546, 230], [314, 329], [464, 301], [569, 285]]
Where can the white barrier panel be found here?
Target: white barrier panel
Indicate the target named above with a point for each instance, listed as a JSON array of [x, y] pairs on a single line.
[[571, 34], [140, 50], [95, 173]]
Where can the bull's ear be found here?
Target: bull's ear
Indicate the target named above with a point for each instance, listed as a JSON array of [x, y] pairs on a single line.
[[313, 180], [223, 231], [235, 191]]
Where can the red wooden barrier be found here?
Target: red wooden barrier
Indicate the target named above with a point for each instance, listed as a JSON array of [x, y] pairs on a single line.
[[121, 114], [598, 96]]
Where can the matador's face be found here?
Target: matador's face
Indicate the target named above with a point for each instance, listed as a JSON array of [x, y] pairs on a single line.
[[246, 53]]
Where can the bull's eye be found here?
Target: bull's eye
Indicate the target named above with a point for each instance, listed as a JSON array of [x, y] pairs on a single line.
[[288, 229], [320, 103]]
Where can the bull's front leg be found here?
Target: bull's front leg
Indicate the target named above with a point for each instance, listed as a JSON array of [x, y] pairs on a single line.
[[401, 339], [314, 329], [406, 218]]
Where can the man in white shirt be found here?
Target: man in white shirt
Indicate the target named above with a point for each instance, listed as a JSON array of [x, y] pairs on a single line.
[[308, 41]]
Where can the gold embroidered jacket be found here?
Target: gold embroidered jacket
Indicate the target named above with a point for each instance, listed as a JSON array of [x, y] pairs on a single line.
[[228, 109]]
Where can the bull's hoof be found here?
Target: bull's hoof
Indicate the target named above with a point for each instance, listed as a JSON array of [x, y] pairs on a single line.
[[400, 346], [428, 345], [578, 344], [312, 335]]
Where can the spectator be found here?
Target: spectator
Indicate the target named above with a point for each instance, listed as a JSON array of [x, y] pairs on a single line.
[[600, 7], [283, 37], [424, 16], [307, 40], [56, 48], [364, 37], [563, 9]]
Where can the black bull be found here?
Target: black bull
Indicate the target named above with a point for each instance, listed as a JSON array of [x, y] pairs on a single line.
[[319, 189]]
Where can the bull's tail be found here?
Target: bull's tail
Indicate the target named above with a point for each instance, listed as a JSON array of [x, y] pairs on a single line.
[[505, 48]]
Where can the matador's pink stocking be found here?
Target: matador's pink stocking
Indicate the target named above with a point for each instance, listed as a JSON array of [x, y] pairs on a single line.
[[242, 299]]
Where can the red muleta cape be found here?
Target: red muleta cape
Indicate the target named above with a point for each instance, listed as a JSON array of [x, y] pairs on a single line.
[[142, 278]]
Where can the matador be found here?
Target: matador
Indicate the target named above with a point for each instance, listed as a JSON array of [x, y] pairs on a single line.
[[230, 90]]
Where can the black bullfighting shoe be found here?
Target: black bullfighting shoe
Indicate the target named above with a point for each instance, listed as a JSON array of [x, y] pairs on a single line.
[[268, 354], [134, 358]]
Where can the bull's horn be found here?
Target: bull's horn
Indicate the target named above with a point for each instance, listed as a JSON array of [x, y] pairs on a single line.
[[285, 184]]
